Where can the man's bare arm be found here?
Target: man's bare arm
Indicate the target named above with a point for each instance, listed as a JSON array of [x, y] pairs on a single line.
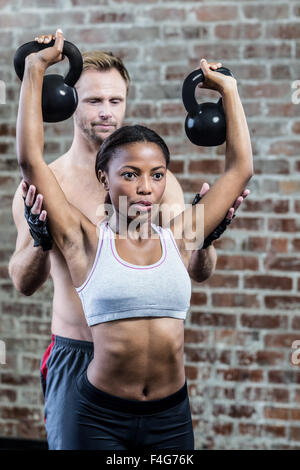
[[203, 262], [29, 266]]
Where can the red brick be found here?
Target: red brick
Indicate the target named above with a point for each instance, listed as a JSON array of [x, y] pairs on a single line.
[[283, 264], [196, 336], [24, 309], [241, 375], [249, 428], [227, 299], [32, 429], [4, 272], [248, 223], [296, 323], [283, 31], [255, 244], [172, 109], [266, 205], [282, 109], [189, 185], [161, 14], [262, 358], [235, 337], [266, 11], [138, 33], [262, 281], [234, 411], [19, 380], [7, 395], [266, 394], [297, 396], [280, 245], [176, 166], [213, 319], [110, 17], [175, 31], [19, 412], [282, 225], [289, 186], [206, 166], [216, 52], [279, 167], [282, 413], [282, 302], [267, 51], [283, 340], [167, 128], [25, 20], [225, 429], [191, 372], [8, 164], [296, 128], [238, 31], [222, 280], [8, 429], [286, 377], [284, 147], [274, 431], [264, 321], [279, 72], [266, 90], [237, 262], [295, 433], [142, 110], [220, 393], [215, 13], [198, 298], [196, 354]]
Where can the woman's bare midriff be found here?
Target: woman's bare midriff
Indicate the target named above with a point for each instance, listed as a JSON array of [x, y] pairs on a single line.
[[138, 359]]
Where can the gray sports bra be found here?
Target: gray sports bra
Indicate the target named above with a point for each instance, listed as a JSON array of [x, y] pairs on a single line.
[[116, 289]]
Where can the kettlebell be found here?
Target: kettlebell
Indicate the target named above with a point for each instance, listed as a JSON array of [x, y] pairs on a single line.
[[59, 97], [205, 123]]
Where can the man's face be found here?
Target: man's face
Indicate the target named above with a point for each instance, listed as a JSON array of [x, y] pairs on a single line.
[[101, 104]]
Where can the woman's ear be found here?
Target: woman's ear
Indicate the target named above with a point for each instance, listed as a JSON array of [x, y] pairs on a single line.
[[103, 180]]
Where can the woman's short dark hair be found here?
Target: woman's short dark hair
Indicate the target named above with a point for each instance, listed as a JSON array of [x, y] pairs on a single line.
[[127, 135]]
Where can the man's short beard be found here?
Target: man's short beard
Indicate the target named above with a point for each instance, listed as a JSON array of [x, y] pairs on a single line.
[[90, 133]]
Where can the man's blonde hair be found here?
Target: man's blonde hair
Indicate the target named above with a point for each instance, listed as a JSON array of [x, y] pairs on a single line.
[[100, 60]]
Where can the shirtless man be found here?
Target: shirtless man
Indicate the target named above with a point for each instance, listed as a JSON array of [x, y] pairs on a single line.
[[102, 92]]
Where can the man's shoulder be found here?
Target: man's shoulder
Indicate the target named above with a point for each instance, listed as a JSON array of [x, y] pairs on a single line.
[[58, 164]]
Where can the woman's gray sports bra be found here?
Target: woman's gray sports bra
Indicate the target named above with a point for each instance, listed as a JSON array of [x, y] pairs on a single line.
[[116, 289]]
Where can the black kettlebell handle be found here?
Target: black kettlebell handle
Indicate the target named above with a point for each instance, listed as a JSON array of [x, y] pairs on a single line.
[[69, 50], [190, 83]]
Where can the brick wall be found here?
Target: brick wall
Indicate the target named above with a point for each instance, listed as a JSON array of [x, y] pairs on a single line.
[[244, 390]]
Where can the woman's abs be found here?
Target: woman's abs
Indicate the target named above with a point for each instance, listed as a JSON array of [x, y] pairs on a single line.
[[138, 359]]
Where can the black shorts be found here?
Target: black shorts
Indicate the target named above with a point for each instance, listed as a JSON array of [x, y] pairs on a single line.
[[80, 416]]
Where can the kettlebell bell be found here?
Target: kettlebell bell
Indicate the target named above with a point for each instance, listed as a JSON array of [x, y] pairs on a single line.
[[205, 123], [59, 97]]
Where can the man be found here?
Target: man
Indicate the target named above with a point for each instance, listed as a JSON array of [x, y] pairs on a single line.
[[102, 91]]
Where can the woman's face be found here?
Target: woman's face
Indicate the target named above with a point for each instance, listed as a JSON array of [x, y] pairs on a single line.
[[137, 171]]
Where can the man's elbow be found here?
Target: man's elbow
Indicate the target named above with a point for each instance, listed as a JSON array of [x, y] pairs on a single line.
[[201, 277], [18, 281]]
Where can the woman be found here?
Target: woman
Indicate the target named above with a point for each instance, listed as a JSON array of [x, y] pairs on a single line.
[[130, 274]]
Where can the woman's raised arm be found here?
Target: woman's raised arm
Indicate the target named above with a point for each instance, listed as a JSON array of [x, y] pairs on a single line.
[[192, 224], [64, 222]]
